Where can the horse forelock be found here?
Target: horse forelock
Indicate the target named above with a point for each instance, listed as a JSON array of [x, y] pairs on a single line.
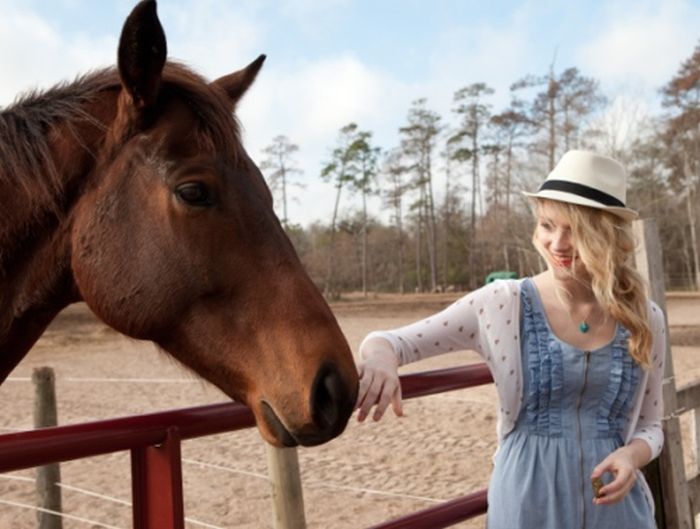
[[218, 127]]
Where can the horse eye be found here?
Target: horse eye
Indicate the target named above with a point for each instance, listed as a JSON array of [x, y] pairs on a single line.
[[194, 194]]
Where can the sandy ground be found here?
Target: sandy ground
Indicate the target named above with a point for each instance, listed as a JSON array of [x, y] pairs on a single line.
[[374, 472]]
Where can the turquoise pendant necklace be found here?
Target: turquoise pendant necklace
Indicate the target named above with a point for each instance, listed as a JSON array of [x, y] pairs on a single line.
[[583, 325]]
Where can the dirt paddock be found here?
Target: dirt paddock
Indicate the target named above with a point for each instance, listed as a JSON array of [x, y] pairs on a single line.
[[375, 471]]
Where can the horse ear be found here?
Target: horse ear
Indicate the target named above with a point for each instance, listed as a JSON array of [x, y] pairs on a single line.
[[236, 83], [142, 52]]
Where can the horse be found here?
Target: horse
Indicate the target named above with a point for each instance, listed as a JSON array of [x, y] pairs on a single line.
[[129, 189]]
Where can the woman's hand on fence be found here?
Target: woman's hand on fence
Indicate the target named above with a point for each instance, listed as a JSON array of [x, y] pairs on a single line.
[[379, 384]]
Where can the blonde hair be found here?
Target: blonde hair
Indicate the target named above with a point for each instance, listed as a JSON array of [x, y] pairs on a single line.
[[605, 244]]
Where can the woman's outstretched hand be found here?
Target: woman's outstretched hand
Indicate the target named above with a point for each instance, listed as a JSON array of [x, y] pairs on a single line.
[[379, 384]]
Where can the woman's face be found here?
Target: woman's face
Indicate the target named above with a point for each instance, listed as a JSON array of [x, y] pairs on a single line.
[[554, 241]]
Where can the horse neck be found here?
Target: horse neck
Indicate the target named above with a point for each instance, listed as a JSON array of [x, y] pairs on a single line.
[[36, 281]]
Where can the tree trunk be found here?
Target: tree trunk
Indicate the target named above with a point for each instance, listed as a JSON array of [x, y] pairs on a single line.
[[328, 288], [419, 228], [693, 238], [567, 126], [364, 243], [509, 177], [432, 243], [399, 226], [446, 231], [687, 262], [472, 222], [551, 114], [283, 170]]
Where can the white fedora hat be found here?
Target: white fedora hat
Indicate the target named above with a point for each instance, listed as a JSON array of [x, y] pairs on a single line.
[[588, 179]]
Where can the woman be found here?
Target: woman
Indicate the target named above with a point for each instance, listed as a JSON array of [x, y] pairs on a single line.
[[576, 354]]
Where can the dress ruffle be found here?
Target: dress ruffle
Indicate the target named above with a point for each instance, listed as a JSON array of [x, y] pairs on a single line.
[[545, 369], [623, 382]]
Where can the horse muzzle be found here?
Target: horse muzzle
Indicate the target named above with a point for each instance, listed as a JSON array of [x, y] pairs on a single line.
[[331, 402]]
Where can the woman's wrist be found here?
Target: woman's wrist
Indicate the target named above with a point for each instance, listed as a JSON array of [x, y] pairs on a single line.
[[378, 349], [638, 452]]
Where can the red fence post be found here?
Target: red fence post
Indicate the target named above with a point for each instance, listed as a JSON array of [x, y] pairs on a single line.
[[156, 484]]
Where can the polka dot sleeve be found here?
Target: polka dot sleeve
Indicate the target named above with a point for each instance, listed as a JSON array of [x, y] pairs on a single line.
[[649, 423], [464, 325]]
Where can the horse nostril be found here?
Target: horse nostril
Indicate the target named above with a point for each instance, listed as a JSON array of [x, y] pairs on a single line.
[[330, 400]]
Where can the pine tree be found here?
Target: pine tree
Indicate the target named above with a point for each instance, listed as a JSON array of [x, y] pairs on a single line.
[[363, 180], [279, 168], [418, 140], [474, 114], [339, 170]]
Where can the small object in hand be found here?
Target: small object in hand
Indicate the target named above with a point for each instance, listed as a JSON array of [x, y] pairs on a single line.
[[597, 484]]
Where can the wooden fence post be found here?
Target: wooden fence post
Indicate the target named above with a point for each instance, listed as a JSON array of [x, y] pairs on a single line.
[[48, 477], [666, 475], [287, 493]]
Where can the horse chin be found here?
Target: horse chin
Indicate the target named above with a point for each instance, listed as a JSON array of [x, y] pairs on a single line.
[[277, 432]]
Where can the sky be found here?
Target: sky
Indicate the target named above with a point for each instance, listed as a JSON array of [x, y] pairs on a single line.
[[332, 62]]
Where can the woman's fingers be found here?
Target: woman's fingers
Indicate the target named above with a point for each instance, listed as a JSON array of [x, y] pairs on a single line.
[[397, 401], [372, 396], [387, 393], [366, 397], [377, 389], [365, 379], [618, 488]]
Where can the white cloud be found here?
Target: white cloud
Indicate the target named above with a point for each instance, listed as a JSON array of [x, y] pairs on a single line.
[[641, 45], [313, 17], [213, 37], [496, 54], [39, 56]]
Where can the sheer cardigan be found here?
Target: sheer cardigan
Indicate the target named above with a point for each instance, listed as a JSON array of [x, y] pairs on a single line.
[[487, 321]]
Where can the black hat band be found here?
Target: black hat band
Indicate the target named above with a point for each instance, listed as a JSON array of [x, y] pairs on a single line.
[[583, 191]]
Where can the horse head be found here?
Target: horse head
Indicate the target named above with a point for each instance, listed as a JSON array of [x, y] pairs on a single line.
[[177, 242]]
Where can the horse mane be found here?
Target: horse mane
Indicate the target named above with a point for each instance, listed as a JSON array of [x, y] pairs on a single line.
[[24, 131], [26, 161]]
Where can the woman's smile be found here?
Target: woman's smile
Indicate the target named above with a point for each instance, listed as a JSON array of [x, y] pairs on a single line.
[[564, 261]]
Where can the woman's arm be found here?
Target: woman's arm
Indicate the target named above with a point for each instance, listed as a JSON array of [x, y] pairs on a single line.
[[462, 325], [648, 427]]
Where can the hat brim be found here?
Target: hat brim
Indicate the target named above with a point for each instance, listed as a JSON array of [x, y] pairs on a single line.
[[562, 196]]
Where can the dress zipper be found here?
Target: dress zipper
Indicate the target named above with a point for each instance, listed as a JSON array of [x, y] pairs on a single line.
[[580, 442]]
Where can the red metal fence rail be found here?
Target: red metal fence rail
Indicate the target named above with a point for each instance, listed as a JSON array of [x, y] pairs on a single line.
[[154, 441]]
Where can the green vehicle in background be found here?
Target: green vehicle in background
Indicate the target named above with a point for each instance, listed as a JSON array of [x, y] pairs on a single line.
[[500, 274]]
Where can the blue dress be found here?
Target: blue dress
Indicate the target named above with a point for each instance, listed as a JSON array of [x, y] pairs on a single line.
[[575, 408]]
